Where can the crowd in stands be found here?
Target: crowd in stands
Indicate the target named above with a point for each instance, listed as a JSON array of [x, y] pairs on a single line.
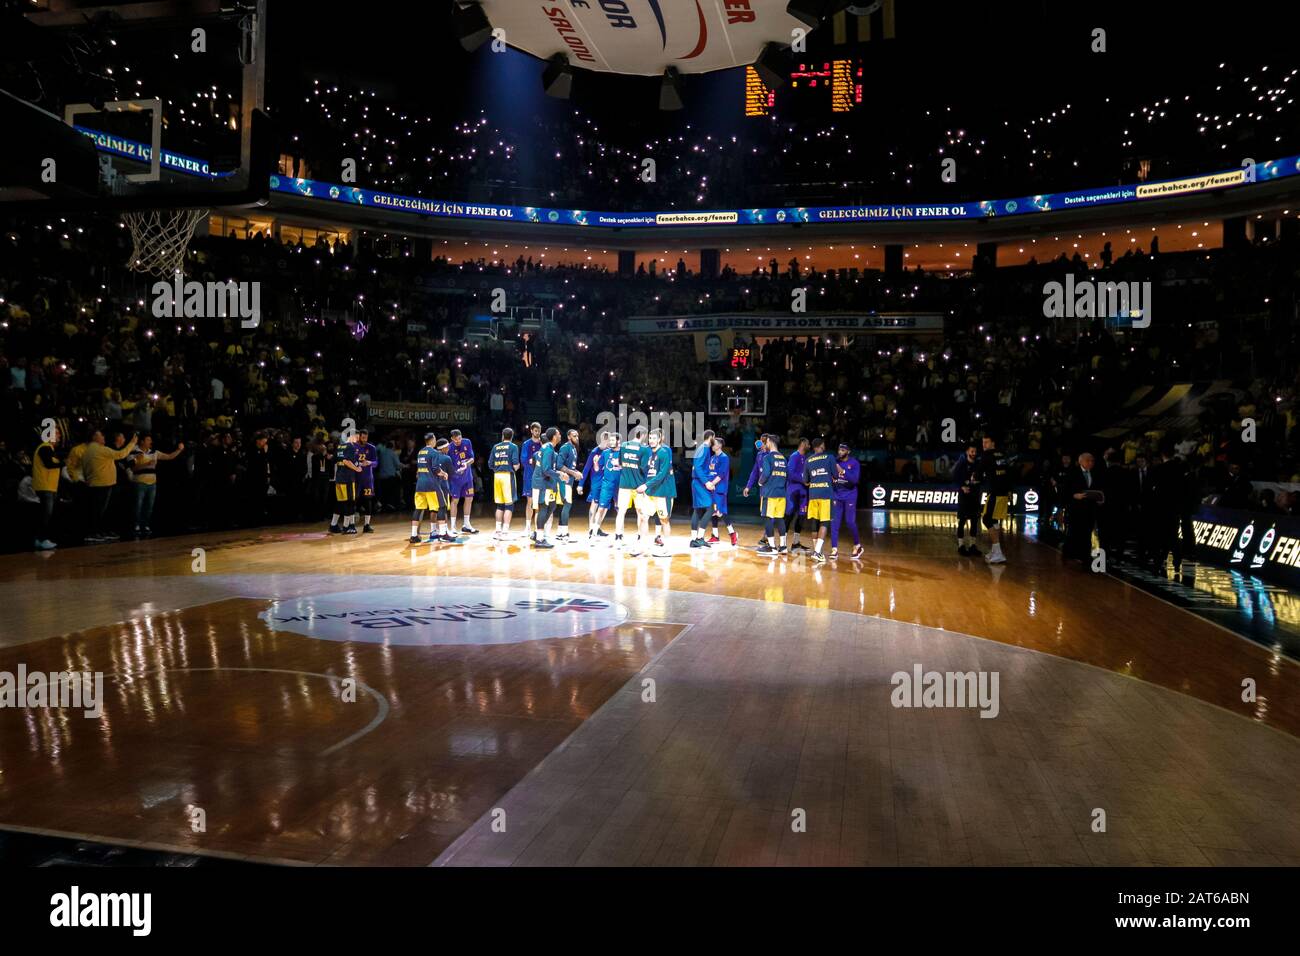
[[578, 160], [572, 156], [251, 410]]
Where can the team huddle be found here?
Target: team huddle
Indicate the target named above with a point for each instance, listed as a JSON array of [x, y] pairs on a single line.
[[810, 492], [619, 476]]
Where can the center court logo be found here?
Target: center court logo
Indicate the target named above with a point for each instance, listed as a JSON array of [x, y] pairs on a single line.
[[437, 616]]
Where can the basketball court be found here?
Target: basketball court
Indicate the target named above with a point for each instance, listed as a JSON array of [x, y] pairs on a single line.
[[313, 700]]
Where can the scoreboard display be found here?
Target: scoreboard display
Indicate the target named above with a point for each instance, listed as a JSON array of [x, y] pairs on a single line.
[[742, 357], [759, 100], [835, 85]]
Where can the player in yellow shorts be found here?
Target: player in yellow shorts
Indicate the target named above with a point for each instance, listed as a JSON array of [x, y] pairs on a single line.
[[503, 459], [819, 509], [627, 498], [817, 468], [345, 488], [632, 456], [654, 496], [431, 468], [503, 489]]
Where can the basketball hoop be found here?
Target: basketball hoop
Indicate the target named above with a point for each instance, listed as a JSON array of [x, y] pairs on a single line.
[[160, 238]]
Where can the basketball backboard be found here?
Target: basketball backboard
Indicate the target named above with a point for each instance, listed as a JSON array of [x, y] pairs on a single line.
[[169, 96], [727, 397]]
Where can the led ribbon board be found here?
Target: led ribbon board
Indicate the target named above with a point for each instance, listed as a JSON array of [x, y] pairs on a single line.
[[1264, 172], [644, 37], [877, 212]]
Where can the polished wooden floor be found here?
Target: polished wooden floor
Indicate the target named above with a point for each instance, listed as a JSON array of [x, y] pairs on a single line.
[[290, 687]]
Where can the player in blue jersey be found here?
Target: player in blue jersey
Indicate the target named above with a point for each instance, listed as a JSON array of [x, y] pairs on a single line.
[[772, 480], [760, 453], [845, 476], [610, 472], [570, 482], [817, 470], [528, 461], [546, 479], [701, 492], [994, 473], [503, 459], [796, 494], [462, 478], [428, 499], [659, 490], [367, 460], [591, 480], [345, 487], [720, 484], [968, 501]]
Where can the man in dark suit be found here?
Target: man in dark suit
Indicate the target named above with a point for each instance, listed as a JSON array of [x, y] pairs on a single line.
[[1171, 496], [1144, 509], [1113, 521], [1084, 496]]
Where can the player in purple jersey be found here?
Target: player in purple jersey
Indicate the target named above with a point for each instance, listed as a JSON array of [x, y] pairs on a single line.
[[845, 475], [720, 484], [462, 478], [446, 468], [367, 459], [528, 452], [796, 494]]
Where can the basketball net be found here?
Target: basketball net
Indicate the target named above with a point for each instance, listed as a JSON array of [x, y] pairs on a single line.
[[160, 238]]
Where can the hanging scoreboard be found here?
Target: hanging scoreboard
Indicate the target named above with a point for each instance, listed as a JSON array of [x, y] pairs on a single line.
[[832, 85]]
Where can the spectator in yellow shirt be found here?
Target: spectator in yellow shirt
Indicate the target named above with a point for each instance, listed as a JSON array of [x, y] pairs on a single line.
[[99, 465]]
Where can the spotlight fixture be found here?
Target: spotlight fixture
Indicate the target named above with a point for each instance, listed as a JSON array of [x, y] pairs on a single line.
[[670, 90], [773, 66], [472, 26], [812, 12], [557, 78]]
